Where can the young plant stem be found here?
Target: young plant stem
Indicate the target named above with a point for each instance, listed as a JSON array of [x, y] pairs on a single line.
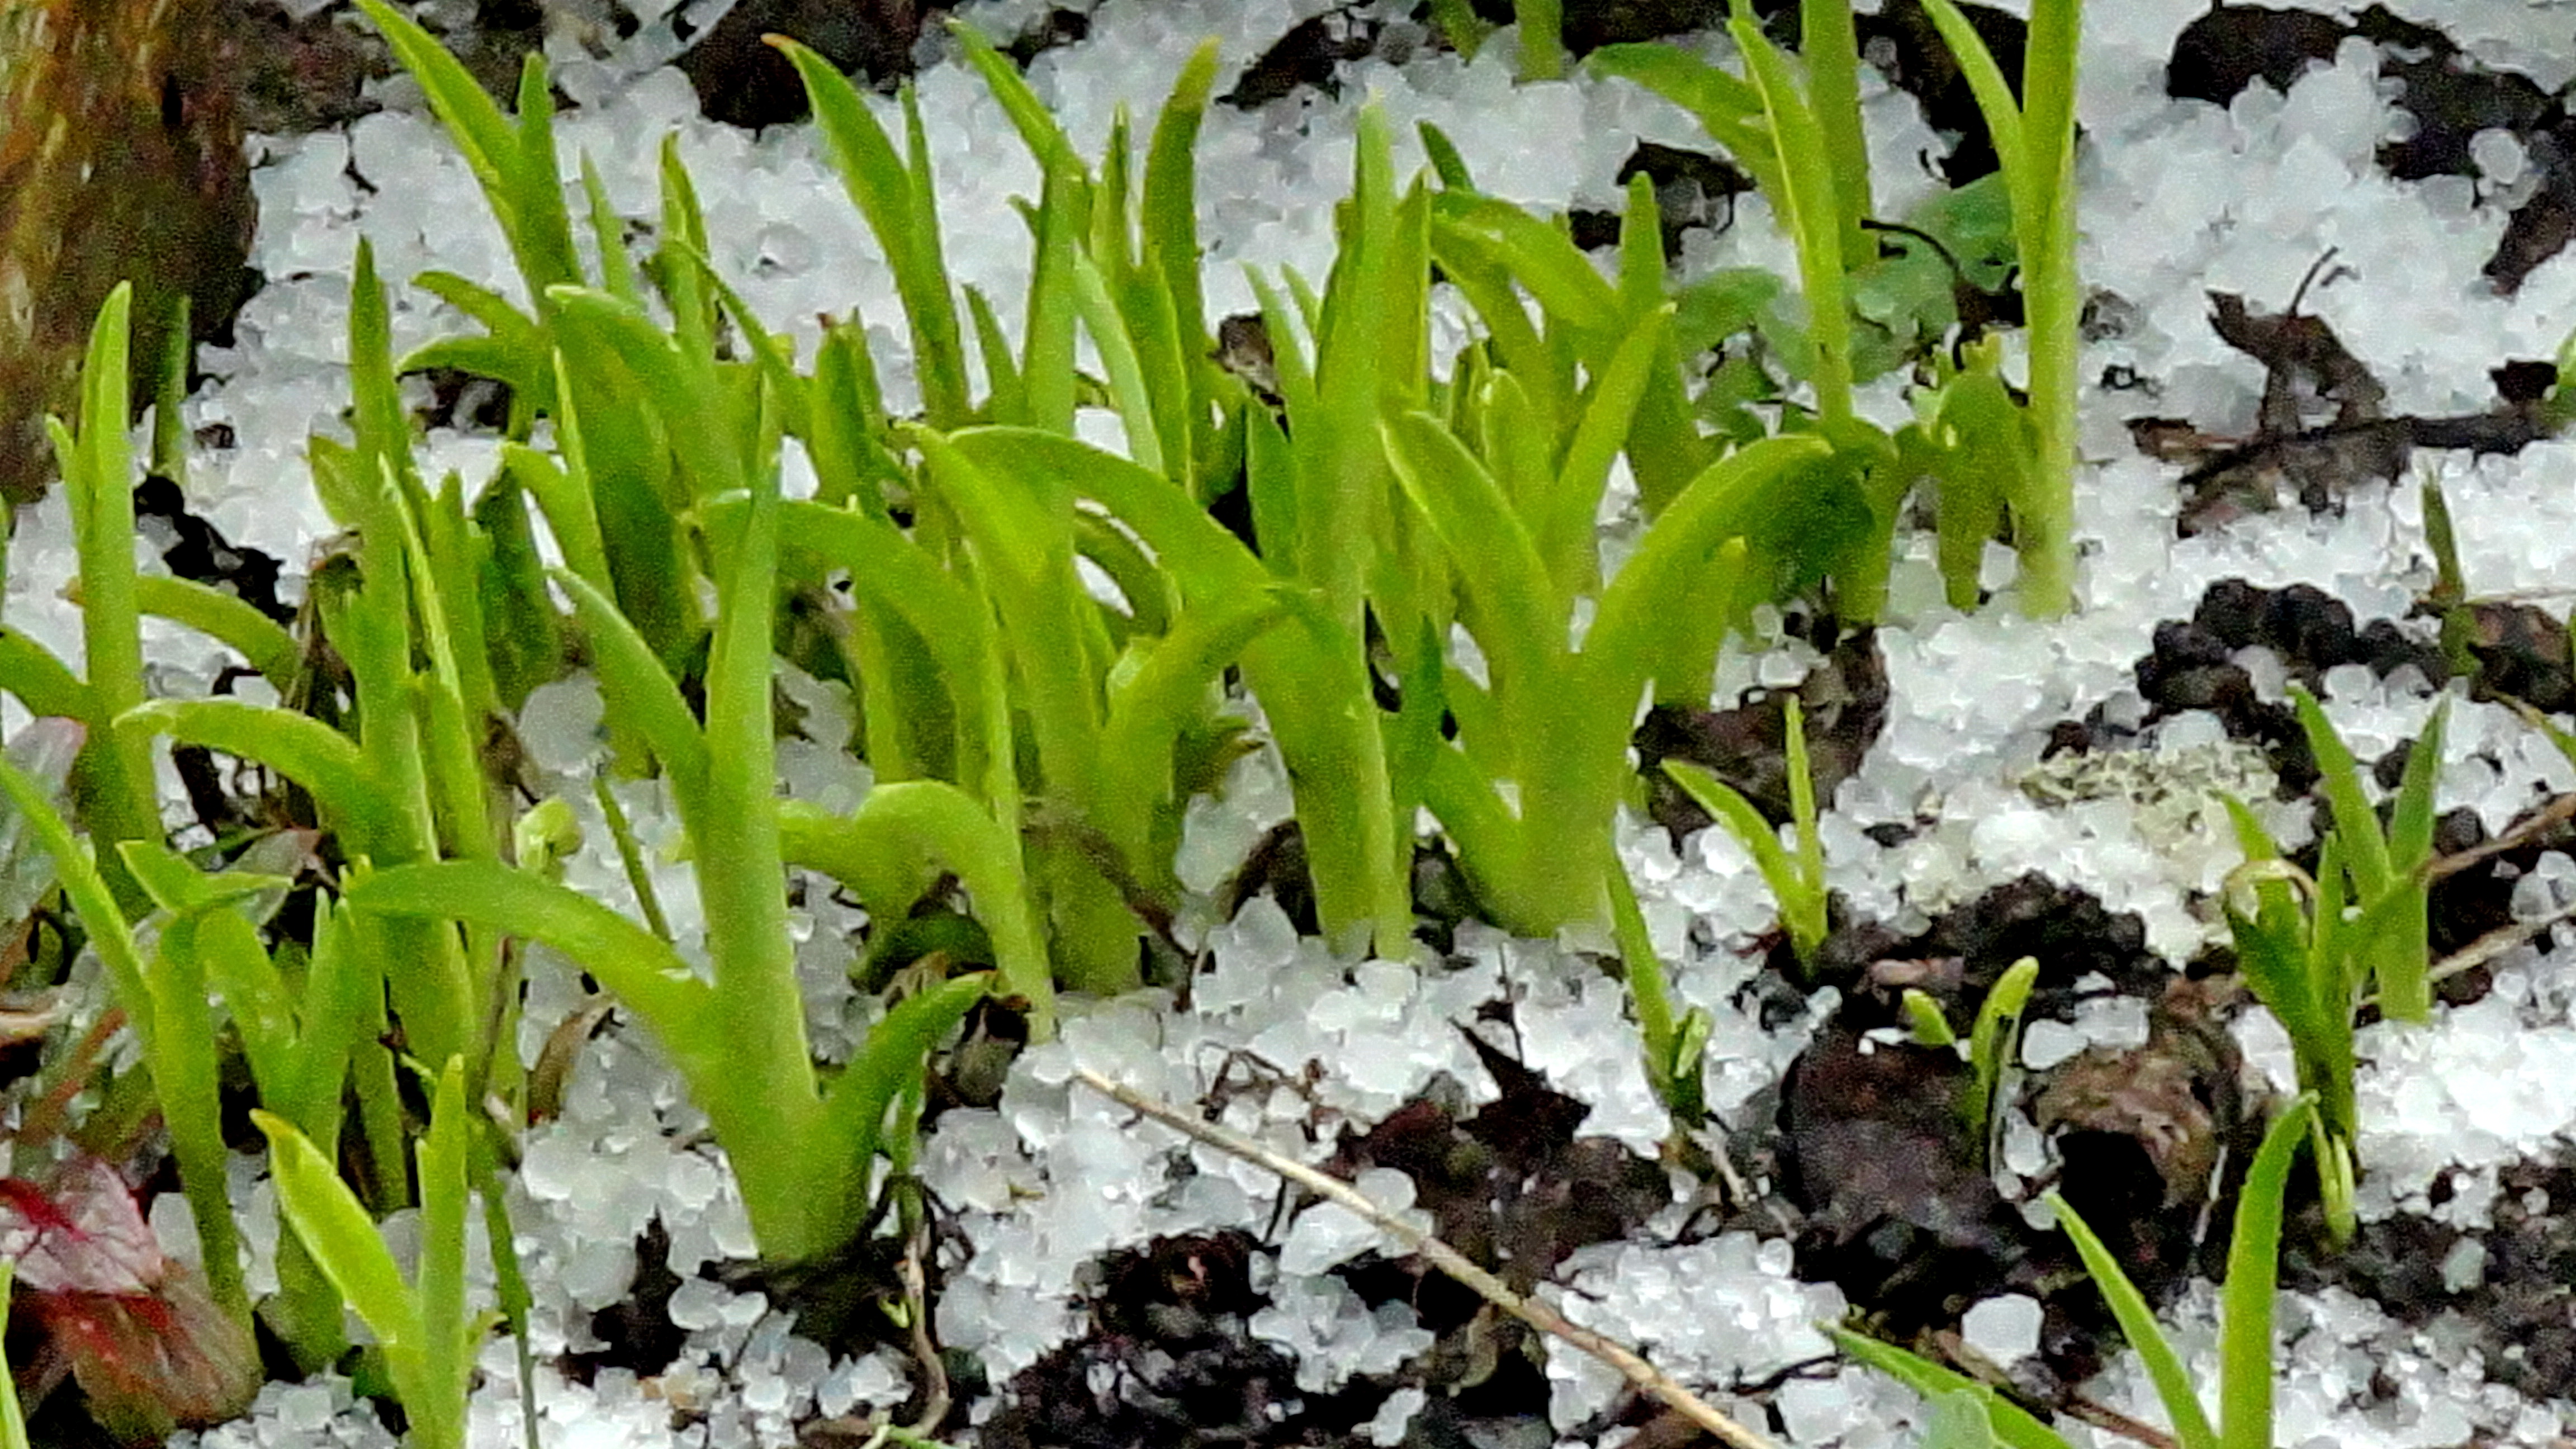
[[1830, 46], [1644, 1376], [98, 478], [1672, 1064], [1542, 36], [630, 855], [170, 1021], [2035, 142], [1810, 201], [13, 1418]]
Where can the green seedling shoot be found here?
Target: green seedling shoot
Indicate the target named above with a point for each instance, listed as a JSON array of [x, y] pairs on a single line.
[[1795, 874], [2310, 945], [1993, 1045], [166, 1008], [804, 1155], [2388, 867], [422, 1327], [2246, 1302], [1532, 789], [2297, 951], [2035, 143], [1675, 1048]]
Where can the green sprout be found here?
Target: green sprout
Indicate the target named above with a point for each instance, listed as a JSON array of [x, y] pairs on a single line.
[[2035, 142], [802, 1154], [2246, 1303], [1800, 140], [1532, 789], [13, 1418], [2388, 868], [422, 1327], [1797, 880], [1676, 1048], [1991, 1048], [2310, 945], [1993, 1045]]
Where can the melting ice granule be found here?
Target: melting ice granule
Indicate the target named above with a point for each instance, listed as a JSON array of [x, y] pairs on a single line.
[[2005, 1329], [1326, 1233]]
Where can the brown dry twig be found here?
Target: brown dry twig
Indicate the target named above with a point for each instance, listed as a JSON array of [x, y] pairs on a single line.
[[2556, 813], [1647, 1378]]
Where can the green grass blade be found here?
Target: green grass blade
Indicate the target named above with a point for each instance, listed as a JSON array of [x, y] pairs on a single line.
[[1542, 35], [341, 1237], [1446, 163], [1499, 563], [1022, 535], [2048, 98], [1930, 1027], [847, 410], [300, 747], [1809, 201], [902, 835], [1047, 380], [1029, 115], [98, 474], [479, 129], [523, 632], [1732, 810], [945, 629], [1994, 1042], [896, 206], [1542, 258], [608, 230], [1635, 616], [227, 619], [1161, 689], [1128, 388], [562, 491], [629, 960], [541, 230], [44, 684], [2138, 1324], [2400, 957], [520, 187], [2253, 1269], [1830, 46], [1564, 525], [616, 342], [2365, 847], [1169, 215], [1986, 81], [437, 1404], [13, 1418], [1728, 108], [1004, 399], [87, 891], [889, 1063], [2013, 1425], [185, 1074]]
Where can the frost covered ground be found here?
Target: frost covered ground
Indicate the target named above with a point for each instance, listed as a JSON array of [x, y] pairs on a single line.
[[2178, 198]]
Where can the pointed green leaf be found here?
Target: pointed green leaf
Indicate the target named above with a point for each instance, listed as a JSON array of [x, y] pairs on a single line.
[[2138, 1324]]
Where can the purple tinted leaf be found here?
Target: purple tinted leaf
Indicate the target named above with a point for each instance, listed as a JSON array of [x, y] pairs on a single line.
[[153, 1362], [83, 1233]]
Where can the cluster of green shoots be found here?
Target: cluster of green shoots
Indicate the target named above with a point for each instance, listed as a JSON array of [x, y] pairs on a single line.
[[1026, 740]]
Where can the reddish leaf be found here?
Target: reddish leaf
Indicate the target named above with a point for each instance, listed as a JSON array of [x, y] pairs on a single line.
[[150, 1363], [82, 1233], [141, 1333]]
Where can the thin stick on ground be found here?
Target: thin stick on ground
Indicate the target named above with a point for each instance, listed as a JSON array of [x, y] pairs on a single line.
[[1647, 1378]]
